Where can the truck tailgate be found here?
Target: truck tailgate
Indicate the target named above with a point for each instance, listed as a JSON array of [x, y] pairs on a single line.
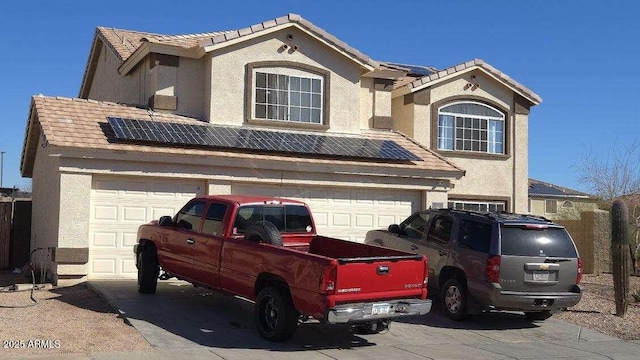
[[379, 278]]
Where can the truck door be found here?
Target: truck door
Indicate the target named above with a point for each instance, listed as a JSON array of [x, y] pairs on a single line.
[[178, 247], [207, 249]]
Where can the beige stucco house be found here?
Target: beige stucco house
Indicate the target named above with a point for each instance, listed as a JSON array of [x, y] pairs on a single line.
[[558, 203], [461, 134]]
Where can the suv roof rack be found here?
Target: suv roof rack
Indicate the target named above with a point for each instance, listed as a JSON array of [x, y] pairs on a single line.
[[500, 215]]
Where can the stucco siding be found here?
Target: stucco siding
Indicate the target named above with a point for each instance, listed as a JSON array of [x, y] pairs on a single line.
[[484, 178], [488, 89], [190, 85], [403, 116], [228, 77], [520, 145], [74, 210], [366, 103], [109, 85], [46, 195]]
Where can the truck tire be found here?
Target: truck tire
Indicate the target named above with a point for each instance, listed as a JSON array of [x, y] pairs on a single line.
[[453, 298], [537, 315], [148, 270], [264, 232], [275, 315], [373, 327]]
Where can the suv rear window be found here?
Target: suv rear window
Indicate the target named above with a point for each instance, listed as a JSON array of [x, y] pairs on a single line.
[[287, 218], [523, 241]]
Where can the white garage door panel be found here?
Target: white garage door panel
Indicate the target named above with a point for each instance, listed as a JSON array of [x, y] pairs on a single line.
[[345, 213], [118, 206]]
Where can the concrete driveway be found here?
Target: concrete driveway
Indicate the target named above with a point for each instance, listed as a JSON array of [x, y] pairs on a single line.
[[180, 320]]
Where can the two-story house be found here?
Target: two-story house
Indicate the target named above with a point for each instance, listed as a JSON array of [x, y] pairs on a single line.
[[278, 108]]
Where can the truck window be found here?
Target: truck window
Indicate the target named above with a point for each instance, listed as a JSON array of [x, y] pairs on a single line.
[[213, 219], [287, 218], [190, 215]]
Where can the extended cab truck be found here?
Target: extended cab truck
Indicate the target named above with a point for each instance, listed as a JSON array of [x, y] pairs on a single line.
[[267, 250]]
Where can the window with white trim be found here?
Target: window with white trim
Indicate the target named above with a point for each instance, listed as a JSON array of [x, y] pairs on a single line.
[[286, 94], [567, 204], [482, 206], [471, 126]]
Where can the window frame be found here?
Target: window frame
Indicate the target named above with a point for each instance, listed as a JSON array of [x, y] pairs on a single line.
[[488, 203], [546, 206], [479, 119], [433, 141], [290, 69]]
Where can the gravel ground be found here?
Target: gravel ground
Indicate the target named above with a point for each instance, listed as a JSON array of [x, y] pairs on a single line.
[[597, 308], [64, 320], [76, 320]]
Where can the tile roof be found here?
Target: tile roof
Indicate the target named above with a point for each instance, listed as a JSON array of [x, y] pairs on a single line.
[[477, 63], [81, 123], [539, 188], [126, 42]]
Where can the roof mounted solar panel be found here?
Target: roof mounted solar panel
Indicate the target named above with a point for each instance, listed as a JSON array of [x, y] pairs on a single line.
[[178, 134]]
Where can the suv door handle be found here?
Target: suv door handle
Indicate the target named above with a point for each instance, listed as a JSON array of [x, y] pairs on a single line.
[[190, 241], [414, 247], [442, 253]]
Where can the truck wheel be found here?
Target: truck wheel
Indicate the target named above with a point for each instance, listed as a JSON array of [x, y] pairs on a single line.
[[454, 299], [275, 316], [537, 315], [373, 327], [265, 232], [148, 270]]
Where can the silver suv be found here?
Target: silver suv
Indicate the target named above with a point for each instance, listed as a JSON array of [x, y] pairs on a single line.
[[491, 261]]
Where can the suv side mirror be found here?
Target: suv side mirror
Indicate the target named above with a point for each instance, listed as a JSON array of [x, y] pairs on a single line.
[[165, 221], [394, 229]]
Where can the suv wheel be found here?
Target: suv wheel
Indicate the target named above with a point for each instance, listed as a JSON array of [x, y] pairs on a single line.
[[454, 299], [537, 315]]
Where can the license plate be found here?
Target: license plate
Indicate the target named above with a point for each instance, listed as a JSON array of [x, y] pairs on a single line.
[[540, 276], [380, 309]]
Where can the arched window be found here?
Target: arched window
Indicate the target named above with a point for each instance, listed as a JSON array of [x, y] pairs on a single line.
[[567, 204], [471, 126]]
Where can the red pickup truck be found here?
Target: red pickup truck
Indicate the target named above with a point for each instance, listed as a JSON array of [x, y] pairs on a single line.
[[266, 250]]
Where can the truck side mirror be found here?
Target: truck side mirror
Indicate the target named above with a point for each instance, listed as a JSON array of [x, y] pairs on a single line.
[[394, 229], [165, 221]]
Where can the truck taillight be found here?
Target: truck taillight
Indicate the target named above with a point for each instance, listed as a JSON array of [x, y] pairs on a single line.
[[579, 277], [492, 270], [329, 275], [425, 282]]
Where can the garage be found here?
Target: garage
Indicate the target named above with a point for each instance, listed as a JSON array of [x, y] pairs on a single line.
[[345, 213], [118, 206]]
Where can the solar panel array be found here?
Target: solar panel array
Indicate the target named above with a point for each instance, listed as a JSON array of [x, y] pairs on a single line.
[[168, 133], [415, 70]]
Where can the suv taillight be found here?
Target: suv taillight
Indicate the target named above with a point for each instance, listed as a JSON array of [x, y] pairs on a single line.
[[492, 270], [579, 277], [329, 275]]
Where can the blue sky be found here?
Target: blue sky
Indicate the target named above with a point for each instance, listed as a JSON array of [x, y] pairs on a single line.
[[579, 56]]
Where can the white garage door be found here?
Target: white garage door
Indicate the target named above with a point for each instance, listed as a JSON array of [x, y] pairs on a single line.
[[118, 206], [346, 213]]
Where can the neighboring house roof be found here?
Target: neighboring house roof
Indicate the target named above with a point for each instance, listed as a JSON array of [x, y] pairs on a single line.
[[132, 46], [539, 188], [82, 124], [456, 70]]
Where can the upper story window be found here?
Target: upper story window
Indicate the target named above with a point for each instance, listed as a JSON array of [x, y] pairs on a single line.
[[471, 126], [287, 94]]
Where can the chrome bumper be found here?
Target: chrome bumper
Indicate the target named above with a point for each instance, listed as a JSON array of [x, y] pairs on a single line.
[[362, 312]]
